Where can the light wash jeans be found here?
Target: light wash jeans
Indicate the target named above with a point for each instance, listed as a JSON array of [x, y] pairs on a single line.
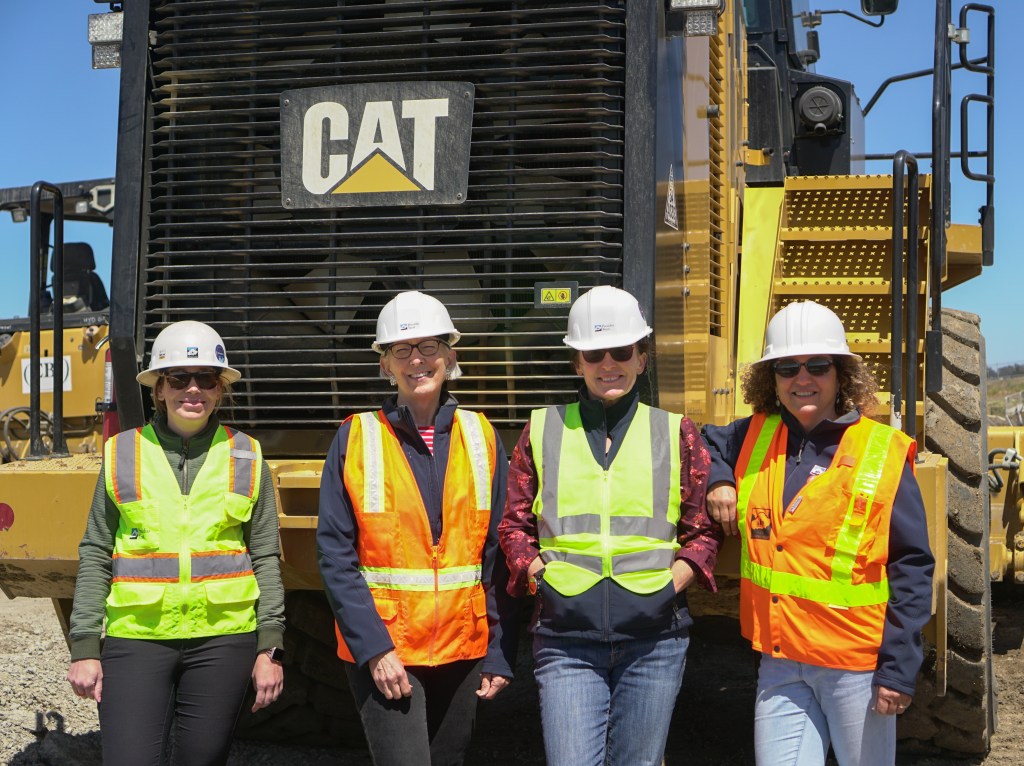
[[607, 703], [802, 708]]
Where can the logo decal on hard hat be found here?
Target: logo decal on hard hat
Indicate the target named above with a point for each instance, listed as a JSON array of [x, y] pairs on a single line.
[[219, 351], [192, 352], [603, 327], [408, 326], [162, 354]]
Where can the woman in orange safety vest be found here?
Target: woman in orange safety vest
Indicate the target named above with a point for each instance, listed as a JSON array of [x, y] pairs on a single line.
[[410, 500], [835, 562]]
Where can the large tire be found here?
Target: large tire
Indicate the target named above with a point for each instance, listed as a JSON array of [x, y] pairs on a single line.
[[964, 719], [316, 707]]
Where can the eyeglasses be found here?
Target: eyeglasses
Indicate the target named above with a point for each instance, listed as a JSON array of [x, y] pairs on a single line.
[[180, 380], [816, 366], [620, 354], [425, 347]]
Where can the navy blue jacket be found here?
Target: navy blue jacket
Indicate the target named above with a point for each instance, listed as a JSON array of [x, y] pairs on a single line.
[[347, 591], [910, 563]]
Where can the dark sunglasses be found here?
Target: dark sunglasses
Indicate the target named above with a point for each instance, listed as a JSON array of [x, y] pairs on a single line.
[[816, 366], [620, 354], [425, 347], [180, 380]]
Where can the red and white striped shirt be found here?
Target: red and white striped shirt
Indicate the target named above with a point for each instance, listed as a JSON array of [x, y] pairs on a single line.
[[427, 433]]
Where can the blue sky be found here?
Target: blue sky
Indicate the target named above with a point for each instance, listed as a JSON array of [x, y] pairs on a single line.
[[59, 123]]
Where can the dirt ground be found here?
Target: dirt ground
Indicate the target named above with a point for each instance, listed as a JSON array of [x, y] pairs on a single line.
[[41, 722]]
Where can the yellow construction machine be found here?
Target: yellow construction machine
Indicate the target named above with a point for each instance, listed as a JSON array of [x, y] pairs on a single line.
[[283, 169]]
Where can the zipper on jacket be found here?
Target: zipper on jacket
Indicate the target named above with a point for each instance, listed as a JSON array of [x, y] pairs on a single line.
[[437, 600], [606, 530], [184, 552]]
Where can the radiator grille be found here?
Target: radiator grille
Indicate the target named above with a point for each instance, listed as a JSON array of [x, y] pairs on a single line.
[[296, 293]]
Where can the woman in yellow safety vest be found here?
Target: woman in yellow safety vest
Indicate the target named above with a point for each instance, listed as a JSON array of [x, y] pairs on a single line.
[[605, 522], [180, 555], [835, 564], [410, 500]]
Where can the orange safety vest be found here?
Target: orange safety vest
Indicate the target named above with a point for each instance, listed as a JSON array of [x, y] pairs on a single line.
[[430, 597], [813, 582]]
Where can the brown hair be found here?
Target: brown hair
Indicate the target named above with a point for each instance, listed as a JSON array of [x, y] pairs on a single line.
[[857, 387]]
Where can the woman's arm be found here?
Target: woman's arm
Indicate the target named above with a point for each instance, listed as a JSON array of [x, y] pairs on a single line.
[[517, 531], [91, 589], [361, 626], [699, 536], [262, 539], [909, 570]]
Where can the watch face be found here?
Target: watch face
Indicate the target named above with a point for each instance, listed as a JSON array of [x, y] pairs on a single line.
[[276, 654]]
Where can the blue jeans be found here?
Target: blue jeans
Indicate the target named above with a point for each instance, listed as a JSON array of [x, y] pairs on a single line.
[[802, 708], [607, 702]]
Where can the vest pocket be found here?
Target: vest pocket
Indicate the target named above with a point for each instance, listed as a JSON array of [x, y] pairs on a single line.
[[138, 525], [229, 604], [237, 509], [387, 608], [135, 594], [239, 590]]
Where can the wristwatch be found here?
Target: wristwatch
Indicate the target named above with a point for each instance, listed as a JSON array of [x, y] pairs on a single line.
[[275, 654]]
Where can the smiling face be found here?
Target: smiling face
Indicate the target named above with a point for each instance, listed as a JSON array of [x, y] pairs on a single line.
[[810, 398], [607, 379], [188, 408], [420, 376]]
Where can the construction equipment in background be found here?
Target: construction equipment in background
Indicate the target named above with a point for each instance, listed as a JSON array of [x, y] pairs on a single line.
[[285, 168]]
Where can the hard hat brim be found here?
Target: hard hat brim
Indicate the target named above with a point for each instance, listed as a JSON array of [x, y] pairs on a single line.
[[820, 349]]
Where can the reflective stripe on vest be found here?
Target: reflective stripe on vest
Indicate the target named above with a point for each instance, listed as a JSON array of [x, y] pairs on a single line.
[[585, 528], [449, 578], [164, 567]]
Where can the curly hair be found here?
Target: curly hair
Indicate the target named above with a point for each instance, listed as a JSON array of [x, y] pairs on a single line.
[[857, 387]]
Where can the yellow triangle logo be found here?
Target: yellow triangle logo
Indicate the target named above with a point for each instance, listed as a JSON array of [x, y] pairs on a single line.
[[377, 174]]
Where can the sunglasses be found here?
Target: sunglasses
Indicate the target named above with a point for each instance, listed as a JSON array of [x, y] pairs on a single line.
[[816, 366], [620, 354], [425, 347], [180, 380]]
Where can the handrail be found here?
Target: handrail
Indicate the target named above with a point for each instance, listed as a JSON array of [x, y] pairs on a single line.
[[58, 446], [904, 160], [988, 68], [964, 64], [941, 86]]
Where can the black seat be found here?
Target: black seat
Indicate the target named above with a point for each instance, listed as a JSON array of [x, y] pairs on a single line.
[[81, 280]]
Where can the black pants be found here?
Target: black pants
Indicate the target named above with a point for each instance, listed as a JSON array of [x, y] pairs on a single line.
[[194, 686], [433, 727]]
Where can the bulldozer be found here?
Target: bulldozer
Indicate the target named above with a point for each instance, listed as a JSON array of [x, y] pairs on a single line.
[[284, 168]]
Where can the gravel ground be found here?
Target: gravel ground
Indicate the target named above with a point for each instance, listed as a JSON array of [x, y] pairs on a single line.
[[43, 723]]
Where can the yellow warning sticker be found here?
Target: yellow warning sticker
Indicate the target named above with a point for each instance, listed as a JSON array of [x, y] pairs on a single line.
[[556, 296]]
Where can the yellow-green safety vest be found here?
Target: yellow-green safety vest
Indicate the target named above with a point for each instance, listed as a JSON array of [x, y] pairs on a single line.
[[618, 523], [181, 568]]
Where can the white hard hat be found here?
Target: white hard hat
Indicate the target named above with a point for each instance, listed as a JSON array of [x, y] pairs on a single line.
[[605, 317], [411, 315], [187, 344], [803, 329]]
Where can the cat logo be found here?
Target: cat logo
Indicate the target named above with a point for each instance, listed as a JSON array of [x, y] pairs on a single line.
[[383, 144]]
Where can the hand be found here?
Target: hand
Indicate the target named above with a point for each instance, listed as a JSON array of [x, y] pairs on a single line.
[[389, 674], [890, 702], [490, 685], [721, 504], [267, 680], [535, 566], [86, 678], [682, 575]]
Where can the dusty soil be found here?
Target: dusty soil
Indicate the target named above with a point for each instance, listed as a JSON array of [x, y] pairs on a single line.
[[42, 722]]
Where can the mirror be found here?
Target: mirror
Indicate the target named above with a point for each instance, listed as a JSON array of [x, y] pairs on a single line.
[[878, 7]]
